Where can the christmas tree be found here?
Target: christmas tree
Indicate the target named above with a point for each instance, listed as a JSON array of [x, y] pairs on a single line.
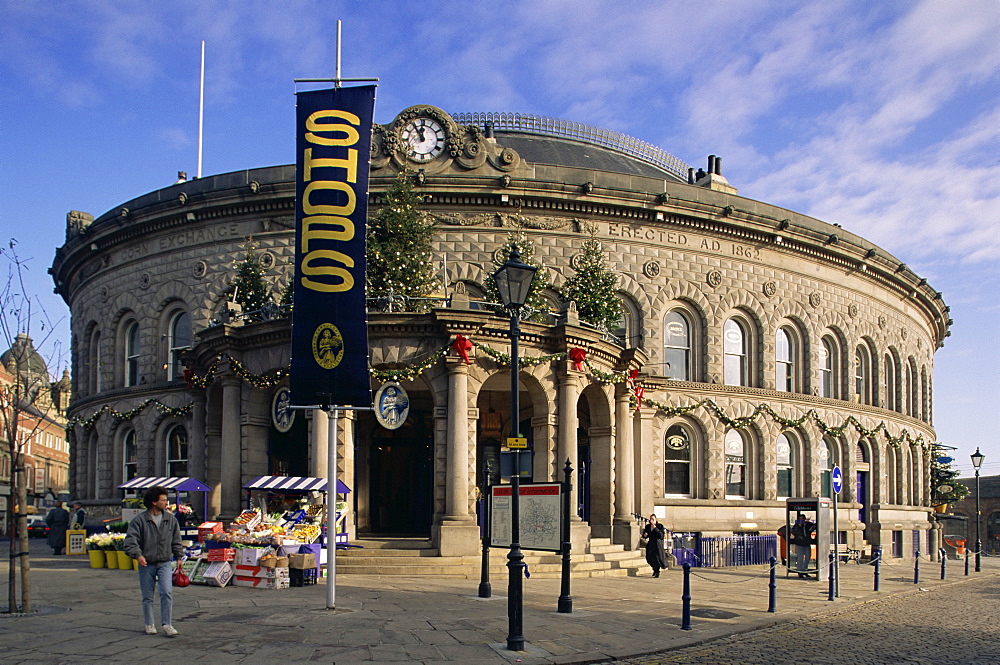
[[249, 288], [945, 487], [536, 307], [592, 287], [400, 267]]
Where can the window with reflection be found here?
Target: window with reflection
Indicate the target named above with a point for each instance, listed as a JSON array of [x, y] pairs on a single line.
[[130, 456], [890, 383], [862, 374], [627, 328], [734, 346], [786, 470], [826, 468], [828, 368], [177, 452], [178, 341], [784, 367], [132, 354], [677, 460], [736, 470], [677, 346], [95, 362]]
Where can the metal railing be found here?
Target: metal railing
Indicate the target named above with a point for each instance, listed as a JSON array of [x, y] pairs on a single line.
[[721, 551], [536, 124]]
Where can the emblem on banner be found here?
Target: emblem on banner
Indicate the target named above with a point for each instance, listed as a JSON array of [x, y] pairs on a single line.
[[282, 417], [392, 405], [327, 346]]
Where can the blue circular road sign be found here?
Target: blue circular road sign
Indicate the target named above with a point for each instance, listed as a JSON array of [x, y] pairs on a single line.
[[838, 479]]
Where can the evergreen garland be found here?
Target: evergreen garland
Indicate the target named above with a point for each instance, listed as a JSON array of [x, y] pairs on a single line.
[[536, 307], [399, 251], [592, 287]]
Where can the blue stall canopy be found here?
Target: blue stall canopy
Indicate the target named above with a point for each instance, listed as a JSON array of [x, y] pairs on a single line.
[[293, 484], [185, 484]]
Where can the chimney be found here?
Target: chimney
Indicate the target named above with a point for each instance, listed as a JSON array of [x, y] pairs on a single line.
[[711, 164], [691, 176], [488, 130], [718, 166]]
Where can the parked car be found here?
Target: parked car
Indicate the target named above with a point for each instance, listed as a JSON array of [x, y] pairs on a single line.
[[37, 528]]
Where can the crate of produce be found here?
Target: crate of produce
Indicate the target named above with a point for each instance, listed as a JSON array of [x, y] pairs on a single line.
[[221, 554], [261, 582], [259, 571], [250, 556], [248, 519]]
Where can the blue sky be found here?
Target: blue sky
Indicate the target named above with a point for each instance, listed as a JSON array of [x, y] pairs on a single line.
[[882, 117]]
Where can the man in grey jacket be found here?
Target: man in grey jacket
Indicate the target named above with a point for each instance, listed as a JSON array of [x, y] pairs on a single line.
[[154, 539]]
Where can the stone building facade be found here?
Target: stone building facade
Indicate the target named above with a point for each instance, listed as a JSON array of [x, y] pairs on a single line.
[[769, 346]]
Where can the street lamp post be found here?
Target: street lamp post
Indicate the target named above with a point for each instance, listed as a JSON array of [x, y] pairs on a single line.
[[513, 280], [977, 462]]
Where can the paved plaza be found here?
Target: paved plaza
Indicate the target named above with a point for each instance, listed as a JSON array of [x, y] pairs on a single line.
[[93, 615]]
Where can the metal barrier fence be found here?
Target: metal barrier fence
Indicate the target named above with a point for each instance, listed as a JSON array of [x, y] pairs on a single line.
[[721, 551]]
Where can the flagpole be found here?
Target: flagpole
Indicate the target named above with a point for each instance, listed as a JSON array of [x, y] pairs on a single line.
[[201, 107]]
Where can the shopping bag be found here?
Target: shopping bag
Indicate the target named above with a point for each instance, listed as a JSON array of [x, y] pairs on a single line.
[[179, 578]]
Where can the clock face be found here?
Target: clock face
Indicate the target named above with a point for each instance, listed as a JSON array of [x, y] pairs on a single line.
[[424, 139]]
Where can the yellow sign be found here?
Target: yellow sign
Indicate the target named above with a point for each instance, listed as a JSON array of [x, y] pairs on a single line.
[[517, 442], [76, 541]]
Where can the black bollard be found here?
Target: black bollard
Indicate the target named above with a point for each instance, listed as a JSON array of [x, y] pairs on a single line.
[[916, 567], [966, 562], [772, 596], [878, 566], [944, 560], [686, 599], [831, 578], [565, 603]]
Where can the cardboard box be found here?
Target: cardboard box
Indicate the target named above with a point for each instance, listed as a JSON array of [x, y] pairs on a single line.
[[249, 556], [302, 561], [259, 571], [221, 554], [288, 549], [208, 527], [218, 573], [261, 582]]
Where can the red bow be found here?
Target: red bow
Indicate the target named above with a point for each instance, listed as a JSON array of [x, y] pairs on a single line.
[[636, 387], [577, 355], [462, 346], [188, 377]]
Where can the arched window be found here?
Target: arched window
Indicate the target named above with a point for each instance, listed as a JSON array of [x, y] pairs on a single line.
[[784, 360], [735, 353], [891, 389], [677, 460], [130, 456], [826, 468], [178, 341], [95, 362], [736, 469], [829, 361], [177, 452], [924, 411], [911, 388], [786, 452], [891, 476], [132, 354], [863, 374], [628, 328], [677, 346]]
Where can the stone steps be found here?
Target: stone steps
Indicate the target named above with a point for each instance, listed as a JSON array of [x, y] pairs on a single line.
[[404, 557]]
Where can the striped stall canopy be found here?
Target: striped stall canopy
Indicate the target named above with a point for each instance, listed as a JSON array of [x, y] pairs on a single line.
[[185, 484], [293, 484]]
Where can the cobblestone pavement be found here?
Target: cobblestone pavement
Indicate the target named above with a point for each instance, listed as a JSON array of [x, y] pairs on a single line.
[[954, 625]]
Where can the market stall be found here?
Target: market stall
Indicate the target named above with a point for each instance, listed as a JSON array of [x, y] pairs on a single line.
[[294, 490], [175, 485]]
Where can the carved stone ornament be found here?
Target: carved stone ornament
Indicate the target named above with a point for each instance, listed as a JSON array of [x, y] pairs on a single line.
[[882, 321], [651, 269], [920, 342], [714, 278], [505, 180], [182, 198], [266, 260], [815, 299], [499, 257], [254, 186], [533, 222], [124, 213], [104, 294], [770, 288], [145, 280], [903, 332], [457, 219], [575, 261], [852, 310], [200, 268]]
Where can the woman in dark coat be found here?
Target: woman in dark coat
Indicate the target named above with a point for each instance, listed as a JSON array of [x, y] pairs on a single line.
[[654, 533], [58, 521]]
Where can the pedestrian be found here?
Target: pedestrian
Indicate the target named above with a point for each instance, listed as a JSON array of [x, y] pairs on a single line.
[[803, 537], [154, 540], [79, 515], [654, 533], [58, 521]]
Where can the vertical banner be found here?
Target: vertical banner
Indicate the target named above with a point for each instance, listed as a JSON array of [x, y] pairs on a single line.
[[329, 320]]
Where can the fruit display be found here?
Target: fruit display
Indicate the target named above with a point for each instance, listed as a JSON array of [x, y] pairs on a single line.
[[306, 533]]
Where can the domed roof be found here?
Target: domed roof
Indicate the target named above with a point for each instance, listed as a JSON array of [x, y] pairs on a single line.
[[22, 357]]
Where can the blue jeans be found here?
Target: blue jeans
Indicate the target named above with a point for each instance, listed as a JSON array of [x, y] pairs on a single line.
[[151, 576]]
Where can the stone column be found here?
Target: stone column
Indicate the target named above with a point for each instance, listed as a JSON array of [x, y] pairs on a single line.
[[566, 442], [319, 441], [623, 526], [197, 448], [231, 453], [458, 531]]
